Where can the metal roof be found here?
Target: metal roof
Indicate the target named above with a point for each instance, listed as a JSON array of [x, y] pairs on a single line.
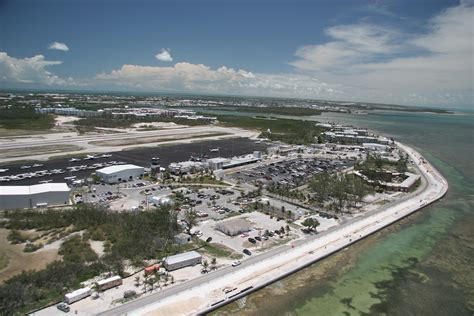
[[182, 257], [118, 168], [111, 279], [34, 189], [77, 292]]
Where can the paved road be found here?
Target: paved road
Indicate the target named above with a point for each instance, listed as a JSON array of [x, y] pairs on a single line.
[[422, 191], [136, 304]]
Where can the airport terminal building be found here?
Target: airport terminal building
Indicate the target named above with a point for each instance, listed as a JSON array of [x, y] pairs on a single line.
[[119, 173], [30, 196]]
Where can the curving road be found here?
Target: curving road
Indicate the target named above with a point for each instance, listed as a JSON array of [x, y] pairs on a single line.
[[294, 257]]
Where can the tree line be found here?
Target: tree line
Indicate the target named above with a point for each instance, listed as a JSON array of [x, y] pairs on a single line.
[[339, 191], [134, 236]]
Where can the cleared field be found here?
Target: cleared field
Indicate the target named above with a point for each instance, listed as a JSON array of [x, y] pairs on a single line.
[[148, 140], [16, 260], [38, 150]]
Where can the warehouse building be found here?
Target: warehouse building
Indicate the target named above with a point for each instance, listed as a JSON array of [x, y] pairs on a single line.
[[120, 173], [234, 227], [29, 196], [182, 260]]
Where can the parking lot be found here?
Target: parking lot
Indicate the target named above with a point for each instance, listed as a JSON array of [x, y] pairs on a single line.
[[293, 172], [259, 222]]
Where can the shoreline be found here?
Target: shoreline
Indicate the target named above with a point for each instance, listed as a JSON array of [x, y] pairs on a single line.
[[207, 293]]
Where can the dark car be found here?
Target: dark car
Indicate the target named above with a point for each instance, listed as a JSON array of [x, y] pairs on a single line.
[[63, 307], [247, 252], [252, 240], [258, 238]]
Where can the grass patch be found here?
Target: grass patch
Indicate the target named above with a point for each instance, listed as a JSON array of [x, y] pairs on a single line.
[[24, 118], [4, 259], [218, 250]]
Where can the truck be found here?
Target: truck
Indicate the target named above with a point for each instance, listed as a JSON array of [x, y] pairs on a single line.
[[77, 295], [152, 269], [108, 283]]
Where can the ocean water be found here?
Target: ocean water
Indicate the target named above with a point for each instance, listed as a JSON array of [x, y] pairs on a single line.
[[423, 265]]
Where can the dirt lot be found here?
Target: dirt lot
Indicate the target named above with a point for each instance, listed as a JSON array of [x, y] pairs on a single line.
[[19, 260]]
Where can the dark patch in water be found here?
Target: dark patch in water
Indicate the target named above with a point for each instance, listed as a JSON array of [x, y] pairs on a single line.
[[418, 290]]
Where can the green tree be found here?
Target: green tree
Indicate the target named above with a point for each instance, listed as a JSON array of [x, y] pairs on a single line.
[[190, 218]]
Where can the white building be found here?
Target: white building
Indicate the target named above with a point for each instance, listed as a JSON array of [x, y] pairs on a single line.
[[224, 163], [38, 195], [182, 260], [120, 173]]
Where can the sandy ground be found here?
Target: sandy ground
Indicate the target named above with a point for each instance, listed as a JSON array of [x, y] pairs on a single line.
[[19, 260], [157, 125], [97, 246], [199, 298], [61, 120]]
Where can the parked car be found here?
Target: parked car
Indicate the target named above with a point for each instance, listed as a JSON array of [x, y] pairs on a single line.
[[258, 238], [129, 293], [236, 263], [253, 241], [63, 307], [247, 252]]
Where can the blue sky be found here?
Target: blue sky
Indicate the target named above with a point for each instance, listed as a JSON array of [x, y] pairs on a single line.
[[378, 51]]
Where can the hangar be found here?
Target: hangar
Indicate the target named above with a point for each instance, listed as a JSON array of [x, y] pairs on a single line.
[[29, 196], [120, 173]]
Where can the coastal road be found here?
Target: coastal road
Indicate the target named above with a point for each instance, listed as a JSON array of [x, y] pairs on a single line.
[[433, 187]]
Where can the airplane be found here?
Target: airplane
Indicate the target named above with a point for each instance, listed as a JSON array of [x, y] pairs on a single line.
[[90, 157], [105, 156], [38, 165], [74, 159]]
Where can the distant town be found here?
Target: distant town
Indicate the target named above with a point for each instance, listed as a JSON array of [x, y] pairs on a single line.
[[139, 203]]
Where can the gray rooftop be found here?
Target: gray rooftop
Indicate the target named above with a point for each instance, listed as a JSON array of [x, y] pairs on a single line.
[[182, 257]]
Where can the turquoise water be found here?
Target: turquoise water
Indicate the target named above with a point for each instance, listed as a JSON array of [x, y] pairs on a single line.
[[420, 266]]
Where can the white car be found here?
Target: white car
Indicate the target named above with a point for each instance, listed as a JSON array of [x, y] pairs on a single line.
[[236, 263]]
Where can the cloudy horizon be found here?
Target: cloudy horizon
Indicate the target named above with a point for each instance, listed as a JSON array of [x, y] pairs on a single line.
[[419, 58]]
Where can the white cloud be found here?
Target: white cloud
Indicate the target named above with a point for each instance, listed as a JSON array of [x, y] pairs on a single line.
[[352, 44], [29, 70], [362, 62], [58, 46], [436, 67], [201, 78], [165, 55]]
